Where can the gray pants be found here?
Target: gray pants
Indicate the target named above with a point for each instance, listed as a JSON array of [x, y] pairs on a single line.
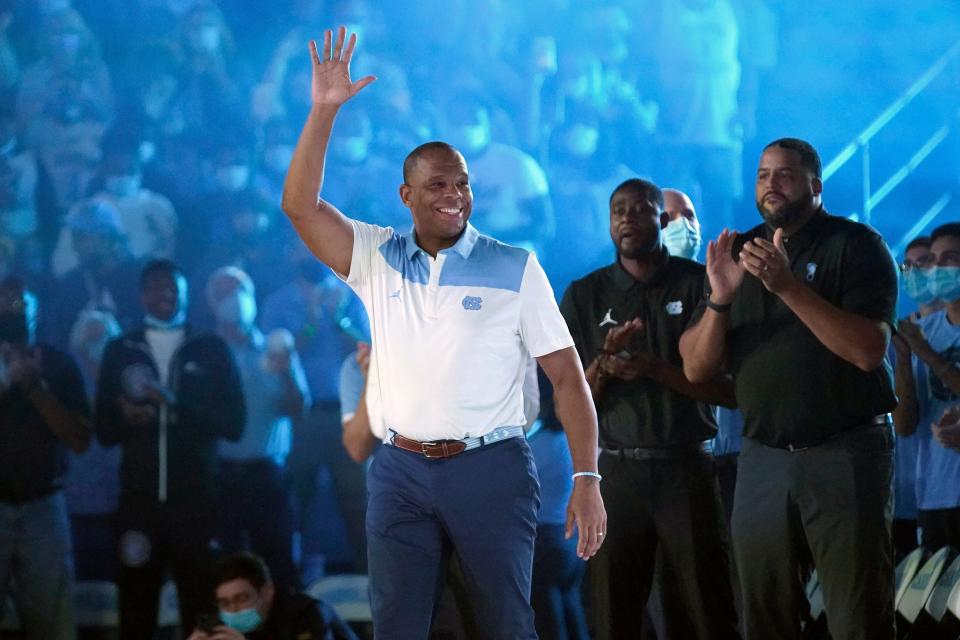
[[832, 503], [35, 553]]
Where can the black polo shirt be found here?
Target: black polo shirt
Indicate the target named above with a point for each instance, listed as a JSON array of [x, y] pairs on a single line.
[[642, 413], [33, 460], [792, 390]]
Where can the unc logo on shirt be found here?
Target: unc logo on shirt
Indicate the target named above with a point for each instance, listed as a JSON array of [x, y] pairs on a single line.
[[472, 303], [674, 308], [811, 271]]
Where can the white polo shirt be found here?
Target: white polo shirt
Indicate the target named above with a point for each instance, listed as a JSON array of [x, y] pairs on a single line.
[[451, 336]]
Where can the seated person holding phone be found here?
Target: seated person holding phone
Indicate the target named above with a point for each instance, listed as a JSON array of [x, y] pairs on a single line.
[[251, 607]]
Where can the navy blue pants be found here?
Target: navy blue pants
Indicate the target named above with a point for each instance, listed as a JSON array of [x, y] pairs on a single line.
[[482, 503]]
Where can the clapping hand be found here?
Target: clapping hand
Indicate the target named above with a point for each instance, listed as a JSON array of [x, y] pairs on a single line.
[[618, 338], [947, 429], [725, 273], [768, 262]]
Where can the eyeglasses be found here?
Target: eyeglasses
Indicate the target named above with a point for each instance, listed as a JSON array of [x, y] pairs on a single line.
[[926, 262]]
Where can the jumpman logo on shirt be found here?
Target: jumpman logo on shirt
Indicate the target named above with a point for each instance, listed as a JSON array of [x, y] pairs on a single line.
[[608, 319], [395, 294]]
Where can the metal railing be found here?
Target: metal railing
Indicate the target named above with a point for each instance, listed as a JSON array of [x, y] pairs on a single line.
[[861, 144]]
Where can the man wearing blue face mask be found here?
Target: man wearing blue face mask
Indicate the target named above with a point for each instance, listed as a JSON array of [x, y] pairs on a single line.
[[166, 395], [915, 272], [250, 606], [681, 227], [255, 495], [929, 388]]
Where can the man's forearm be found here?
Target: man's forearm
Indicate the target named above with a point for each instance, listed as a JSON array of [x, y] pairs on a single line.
[[944, 369], [579, 419], [596, 378], [718, 391], [702, 347], [357, 438], [69, 426], [305, 176], [858, 340], [905, 416]]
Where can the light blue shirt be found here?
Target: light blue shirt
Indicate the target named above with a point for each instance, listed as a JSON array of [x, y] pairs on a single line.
[[938, 468], [341, 324], [729, 432], [268, 430], [351, 386], [555, 470]]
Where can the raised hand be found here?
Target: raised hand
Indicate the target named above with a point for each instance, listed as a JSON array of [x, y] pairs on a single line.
[[331, 85], [724, 272], [912, 335]]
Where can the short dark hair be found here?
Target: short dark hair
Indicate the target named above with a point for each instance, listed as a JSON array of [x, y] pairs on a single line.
[[242, 566], [808, 155], [951, 229], [414, 156], [645, 187], [161, 265], [919, 241]]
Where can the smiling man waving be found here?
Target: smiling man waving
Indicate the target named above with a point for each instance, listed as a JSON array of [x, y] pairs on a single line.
[[454, 317]]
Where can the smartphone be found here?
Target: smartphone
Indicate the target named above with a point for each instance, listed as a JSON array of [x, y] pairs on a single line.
[[207, 622]]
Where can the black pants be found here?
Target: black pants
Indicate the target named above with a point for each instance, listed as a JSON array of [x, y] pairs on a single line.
[[904, 537], [834, 499], [317, 442], [157, 540], [940, 527], [256, 513], [667, 512]]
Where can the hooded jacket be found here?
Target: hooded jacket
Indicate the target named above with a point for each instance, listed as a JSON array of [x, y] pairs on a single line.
[[173, 459]]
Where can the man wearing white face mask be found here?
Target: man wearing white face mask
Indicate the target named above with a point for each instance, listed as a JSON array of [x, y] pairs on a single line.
[[681, 227], [931, 387], [147, 219], [255, 497]]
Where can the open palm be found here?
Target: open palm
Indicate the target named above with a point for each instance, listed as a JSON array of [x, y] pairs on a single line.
[[724, 272], [331, 84]]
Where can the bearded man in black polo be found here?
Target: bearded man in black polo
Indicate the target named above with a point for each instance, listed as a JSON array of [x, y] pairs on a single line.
[[800, 311]]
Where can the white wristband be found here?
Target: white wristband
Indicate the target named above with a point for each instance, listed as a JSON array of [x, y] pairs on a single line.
[[587, 474]]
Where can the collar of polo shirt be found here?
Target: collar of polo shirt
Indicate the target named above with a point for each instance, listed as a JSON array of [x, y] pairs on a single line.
[[803, 236], [464, 244], [624, 281]]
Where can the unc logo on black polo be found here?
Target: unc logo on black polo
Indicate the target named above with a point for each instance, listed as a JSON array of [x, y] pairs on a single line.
[[472, 303], [939, 390]]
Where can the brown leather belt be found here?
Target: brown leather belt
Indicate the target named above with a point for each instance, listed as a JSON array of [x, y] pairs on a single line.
[[434, 449], [448, 448]]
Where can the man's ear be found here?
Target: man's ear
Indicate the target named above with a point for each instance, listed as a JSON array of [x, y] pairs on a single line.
[[267, 592], [405, 195], [817, 186]]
